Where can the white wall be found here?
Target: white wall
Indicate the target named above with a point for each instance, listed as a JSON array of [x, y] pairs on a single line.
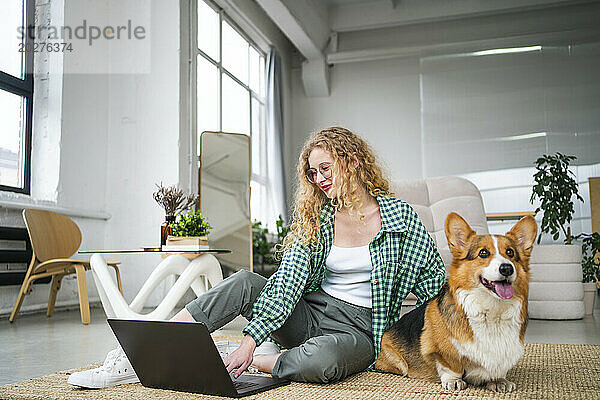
[[379, 100], [118, 135], [143, 145], [457, 121], [496, 114], [69, 148]]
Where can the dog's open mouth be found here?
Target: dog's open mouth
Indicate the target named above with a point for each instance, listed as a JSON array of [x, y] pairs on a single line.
[[502, 289]]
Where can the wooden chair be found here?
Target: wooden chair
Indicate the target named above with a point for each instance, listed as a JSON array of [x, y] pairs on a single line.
[[54, 239]]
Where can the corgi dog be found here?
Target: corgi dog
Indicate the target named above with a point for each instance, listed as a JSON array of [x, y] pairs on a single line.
[[472, 331]]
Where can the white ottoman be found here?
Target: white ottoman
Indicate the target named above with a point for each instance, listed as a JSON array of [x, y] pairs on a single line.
[[555, 289]]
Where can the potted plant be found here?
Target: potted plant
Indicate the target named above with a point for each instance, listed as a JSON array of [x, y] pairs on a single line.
[[556, 291], [265, 245], [590, 264], [174, 201], [189, 229]]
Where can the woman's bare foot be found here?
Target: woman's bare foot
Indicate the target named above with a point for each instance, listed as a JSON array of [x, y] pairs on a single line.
[[265, 362]]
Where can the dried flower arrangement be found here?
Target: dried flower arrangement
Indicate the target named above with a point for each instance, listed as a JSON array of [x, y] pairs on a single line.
[[174, 200]]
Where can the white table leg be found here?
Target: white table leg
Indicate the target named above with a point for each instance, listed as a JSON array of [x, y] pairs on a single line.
[[174, 264], [206, 265], [198, 274]]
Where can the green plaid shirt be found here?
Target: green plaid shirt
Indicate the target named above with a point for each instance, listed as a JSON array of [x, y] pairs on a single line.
[[404, 259]]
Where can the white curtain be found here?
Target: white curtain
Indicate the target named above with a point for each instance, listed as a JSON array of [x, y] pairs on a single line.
[[275, 173]]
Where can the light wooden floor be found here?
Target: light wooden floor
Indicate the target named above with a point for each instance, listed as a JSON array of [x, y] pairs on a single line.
[[35, 345]]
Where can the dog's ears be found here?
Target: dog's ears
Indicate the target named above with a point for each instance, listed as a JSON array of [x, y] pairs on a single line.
[[458, 233], [524, 234]]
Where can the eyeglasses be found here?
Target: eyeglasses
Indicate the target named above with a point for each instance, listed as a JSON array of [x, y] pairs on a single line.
[[324, 169]]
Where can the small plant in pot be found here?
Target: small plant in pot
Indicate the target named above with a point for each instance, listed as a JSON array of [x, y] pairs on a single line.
[[190, 229], [174, 201], [555, 188], [191, 224], [265, 246]]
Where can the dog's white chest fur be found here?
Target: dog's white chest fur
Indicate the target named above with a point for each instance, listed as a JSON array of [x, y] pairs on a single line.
[[496, 326]]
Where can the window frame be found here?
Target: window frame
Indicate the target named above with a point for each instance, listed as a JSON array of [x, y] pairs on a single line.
[[23, 88], [255, 176], [196, 51]]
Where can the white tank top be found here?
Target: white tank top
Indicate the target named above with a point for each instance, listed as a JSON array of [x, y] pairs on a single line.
[[348, 275]]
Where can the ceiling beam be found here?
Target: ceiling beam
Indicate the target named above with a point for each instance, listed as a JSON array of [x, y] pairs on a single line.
[[304, 22], [315, 77], [557, 38], [379, 14]]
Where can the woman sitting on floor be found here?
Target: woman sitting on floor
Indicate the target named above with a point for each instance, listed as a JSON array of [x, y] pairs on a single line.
[[353, 254]]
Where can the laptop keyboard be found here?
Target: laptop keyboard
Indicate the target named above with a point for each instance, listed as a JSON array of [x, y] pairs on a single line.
[[244, 385]]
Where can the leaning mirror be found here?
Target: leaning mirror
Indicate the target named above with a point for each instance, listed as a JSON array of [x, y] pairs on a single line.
[[224, 188]]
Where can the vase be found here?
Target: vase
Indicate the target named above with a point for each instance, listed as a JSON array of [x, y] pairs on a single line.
[[589, 296], [165, 229]]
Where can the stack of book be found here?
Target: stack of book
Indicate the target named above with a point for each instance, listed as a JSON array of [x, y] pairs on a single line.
[[186, 243]]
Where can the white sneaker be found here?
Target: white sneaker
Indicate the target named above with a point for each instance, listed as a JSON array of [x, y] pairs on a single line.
[[116, 370], [226, 347]]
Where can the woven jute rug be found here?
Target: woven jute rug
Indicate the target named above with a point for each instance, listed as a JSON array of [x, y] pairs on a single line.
[[546, 371]]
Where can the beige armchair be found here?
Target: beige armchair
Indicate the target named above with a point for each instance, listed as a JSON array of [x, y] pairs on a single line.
[[433, 199]]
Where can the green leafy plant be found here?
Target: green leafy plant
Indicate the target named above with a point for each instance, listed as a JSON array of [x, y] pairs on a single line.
[[264, 243], [555, 186], [590, 260], [261, 245], [282, 230], [191, 224]]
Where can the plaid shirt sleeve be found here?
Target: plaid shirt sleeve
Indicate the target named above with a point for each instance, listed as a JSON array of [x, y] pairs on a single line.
[[280, 295], [431, 270]]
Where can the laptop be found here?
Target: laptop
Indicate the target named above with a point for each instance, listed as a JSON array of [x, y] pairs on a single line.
[[182, 356]]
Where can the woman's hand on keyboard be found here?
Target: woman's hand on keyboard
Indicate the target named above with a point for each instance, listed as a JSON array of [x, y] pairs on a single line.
[[241, 358]]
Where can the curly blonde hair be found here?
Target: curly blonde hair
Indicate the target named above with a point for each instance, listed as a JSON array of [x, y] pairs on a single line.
[[345, 147]]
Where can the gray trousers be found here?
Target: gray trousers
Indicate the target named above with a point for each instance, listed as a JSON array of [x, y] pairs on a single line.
[[328, 339]]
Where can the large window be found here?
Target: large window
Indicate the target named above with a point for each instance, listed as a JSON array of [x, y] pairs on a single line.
[[230, 89], [16, 95]]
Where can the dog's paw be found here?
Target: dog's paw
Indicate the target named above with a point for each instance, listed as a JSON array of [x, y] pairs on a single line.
[[454, 384], [501, 385]]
